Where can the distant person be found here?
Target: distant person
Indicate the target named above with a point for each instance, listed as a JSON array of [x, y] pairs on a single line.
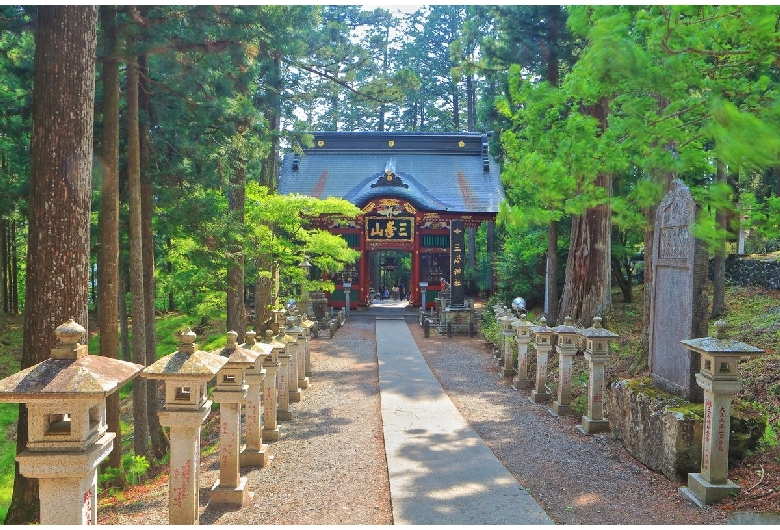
[[386, 294], [402, 291], [395, 292]]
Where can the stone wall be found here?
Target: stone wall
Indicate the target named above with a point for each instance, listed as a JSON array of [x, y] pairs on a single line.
[[761, 272], [664, 431], [663, 440]]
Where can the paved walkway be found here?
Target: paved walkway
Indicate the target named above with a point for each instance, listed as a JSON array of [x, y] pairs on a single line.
[[441, 472]]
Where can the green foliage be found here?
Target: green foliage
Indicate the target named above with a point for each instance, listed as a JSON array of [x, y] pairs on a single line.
[[135, 466]]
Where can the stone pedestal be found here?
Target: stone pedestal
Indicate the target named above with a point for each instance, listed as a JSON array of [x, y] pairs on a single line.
[[294, 391], [718, 377], [596, 353], [523, 338], [255, 452], [273, 367], [543, 342], [184, 481], [230, 488], [283, 388], [67, 482]]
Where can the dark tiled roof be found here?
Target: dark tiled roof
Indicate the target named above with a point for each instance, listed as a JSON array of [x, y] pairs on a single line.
[[435, 171]]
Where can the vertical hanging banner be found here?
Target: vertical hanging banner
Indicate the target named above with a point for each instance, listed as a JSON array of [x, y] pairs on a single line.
[[457, 260]]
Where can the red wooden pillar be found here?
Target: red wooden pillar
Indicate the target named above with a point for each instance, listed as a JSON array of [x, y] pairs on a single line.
[[361, 296], [415, 283]]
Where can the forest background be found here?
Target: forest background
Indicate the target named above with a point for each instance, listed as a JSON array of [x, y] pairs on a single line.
[[593, 109]]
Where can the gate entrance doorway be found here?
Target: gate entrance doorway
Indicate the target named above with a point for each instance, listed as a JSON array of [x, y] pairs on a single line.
[[389, 268]]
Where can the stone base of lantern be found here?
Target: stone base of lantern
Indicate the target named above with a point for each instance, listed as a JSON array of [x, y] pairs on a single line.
[[295, 395], [702, 492], [590, 426], [271, 435], [255, 457], [539, 397], [237, 496], [303, 383], [506, 372], [521, 384], [282, 415], [560, 409]]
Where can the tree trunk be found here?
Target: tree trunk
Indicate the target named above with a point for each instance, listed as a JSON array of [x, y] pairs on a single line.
[[236, 311], [269, 172], [3, 275], [719, 262], [586, 293], [59, 200], [14, 271], [140, 399], [157, 434], [108, 264], [552, 272], [124, 334]]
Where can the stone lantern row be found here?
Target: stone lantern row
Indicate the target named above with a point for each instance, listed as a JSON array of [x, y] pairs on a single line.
[[68, 434], [718, 376]]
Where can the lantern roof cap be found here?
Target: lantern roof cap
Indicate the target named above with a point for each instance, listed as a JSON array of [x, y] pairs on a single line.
[[597, 332], [720, 343]]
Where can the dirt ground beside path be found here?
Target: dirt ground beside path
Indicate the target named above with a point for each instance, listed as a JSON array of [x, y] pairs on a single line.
[[577, 479]]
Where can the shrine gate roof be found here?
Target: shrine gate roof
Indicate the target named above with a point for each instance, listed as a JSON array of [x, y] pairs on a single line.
[[443, 172]]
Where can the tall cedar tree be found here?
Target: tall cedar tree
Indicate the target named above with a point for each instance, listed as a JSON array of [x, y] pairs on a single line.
[[108, 263], [60, 193]]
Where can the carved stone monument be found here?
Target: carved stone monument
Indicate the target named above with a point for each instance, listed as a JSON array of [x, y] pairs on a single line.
[[678, 299]]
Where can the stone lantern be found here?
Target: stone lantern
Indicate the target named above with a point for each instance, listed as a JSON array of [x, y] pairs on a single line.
[[291, 351], [255, 453], [309, 330], [567, 349], [505, 321], [718, 377], [508, 333], [596, 353], [543, 343], [271, 394], [68, 436], [423, 302], [230, 392], [296, 331], [186, 373], [523, 338]]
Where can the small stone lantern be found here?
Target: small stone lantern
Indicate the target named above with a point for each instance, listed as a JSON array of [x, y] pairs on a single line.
[[719, 377], [523, 338], [347, 288], [297, 332], [186, 373], [255, 453], [230, 392], [272, 366], [543, 344], [66, 421], [596, 353], [567, 349]]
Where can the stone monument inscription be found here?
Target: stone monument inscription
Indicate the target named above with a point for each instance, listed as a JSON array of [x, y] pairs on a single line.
[[678, 300]]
